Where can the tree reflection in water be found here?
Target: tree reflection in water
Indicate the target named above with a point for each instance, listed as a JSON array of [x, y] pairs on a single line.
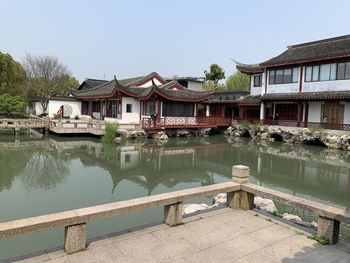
[[44, 170]]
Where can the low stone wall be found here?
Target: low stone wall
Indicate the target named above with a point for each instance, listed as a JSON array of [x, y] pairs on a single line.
[[328, 138]]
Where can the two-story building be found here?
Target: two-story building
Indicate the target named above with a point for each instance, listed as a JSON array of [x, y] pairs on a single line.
[[307, 85]]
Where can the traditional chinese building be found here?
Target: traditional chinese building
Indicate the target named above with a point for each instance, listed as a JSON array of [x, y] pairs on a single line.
[[134, 101], [307, 85]]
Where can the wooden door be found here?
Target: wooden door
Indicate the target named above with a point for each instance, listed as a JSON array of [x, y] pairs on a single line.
[[334, 113]]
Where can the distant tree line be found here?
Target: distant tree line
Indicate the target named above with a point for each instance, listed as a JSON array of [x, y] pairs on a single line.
[[235, 82], [36, 78]]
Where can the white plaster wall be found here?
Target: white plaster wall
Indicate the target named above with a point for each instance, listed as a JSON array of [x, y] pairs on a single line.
[[54, 106], [128, 118], [314, 114], [331, 85], [346, 113], [38, 109], [283, 88], [149, 83]]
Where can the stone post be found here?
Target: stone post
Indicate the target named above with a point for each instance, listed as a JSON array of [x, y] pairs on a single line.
[[240, 199], [75, 238], [173, 214], [328, 228]]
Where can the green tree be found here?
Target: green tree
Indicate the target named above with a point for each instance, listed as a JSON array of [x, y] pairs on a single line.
[[12, 76], [215, 74], [238, 82], [11, 104], [47, 76], [73, 83], [210, 85]]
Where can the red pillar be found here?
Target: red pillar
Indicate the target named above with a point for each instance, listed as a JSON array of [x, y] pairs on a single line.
[[299, 112], [241, 112], [90, 108]]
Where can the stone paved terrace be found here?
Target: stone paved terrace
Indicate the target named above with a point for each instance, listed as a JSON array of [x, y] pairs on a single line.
[[222, 235]]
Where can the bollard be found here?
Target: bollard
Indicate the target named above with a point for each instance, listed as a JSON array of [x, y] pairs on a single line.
[[328, 228], [75, 238], [173, 214], [240, 199]]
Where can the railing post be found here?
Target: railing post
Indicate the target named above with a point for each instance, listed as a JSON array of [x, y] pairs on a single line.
[[75, 238], [240, 199], [173, 214], [328, 228]]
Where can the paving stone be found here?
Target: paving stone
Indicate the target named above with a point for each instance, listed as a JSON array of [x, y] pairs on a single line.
[[223, 235]]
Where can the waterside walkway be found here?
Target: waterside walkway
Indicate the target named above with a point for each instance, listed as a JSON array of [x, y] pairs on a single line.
[[223, 235]]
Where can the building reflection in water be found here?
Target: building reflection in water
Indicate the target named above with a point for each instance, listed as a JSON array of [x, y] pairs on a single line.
[[309, 171]]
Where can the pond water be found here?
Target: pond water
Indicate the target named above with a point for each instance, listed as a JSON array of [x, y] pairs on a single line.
[[41, 176]]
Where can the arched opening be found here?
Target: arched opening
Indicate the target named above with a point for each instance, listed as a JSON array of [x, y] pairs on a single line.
[[278, 137]]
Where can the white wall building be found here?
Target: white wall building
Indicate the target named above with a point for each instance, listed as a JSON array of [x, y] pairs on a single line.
[[308, 83]]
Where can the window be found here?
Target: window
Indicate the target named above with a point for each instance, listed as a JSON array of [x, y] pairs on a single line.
[[257, 80], [334, 71], [148, 107], [272, 77], [85, 108], [178, 109], [308, 73], [315, 71], [112, 109], [295, 75], [347, 70], [325, 71], [283, 76], [128, 108], [287, 76]]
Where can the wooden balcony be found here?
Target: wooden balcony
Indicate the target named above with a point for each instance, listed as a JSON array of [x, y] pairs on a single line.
[[185, 122]]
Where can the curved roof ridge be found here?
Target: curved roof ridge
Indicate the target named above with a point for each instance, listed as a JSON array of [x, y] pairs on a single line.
[[320, 41]]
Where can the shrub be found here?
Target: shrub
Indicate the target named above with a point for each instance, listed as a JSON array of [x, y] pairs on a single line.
[[11, 105], [110, 132], [320, 239]]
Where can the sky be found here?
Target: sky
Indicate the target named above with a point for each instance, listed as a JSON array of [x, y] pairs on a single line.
[[102, 38]]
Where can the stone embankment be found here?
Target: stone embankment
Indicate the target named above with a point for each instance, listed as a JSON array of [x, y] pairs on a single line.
[[259, 202], [311, 136], [161, 136]]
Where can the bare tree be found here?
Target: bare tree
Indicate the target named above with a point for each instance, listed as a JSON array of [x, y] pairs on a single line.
[[46, 76]]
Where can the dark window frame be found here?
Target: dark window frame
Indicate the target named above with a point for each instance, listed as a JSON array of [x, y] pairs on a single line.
[[128, 108], [346, 65], [272, 78], [257, 80]]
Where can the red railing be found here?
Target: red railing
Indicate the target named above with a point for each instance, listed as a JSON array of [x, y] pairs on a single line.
[[301, 124], [185, 122]]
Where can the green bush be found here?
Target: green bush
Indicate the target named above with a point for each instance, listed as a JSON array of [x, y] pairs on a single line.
[[11, 105], [110, 132]]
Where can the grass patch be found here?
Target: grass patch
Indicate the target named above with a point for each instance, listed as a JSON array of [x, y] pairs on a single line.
[[320, 239], [110, 132], [276, 213]]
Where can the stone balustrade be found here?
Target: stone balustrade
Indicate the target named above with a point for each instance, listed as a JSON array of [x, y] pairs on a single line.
[[240, 195]]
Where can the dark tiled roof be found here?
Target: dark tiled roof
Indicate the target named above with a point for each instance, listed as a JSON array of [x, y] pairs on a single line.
[[248, 68], [227, 96], [326, 95], [326, 49], [102, 90], [185, 94], [91, 83], [250, 99], [138, 80]]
